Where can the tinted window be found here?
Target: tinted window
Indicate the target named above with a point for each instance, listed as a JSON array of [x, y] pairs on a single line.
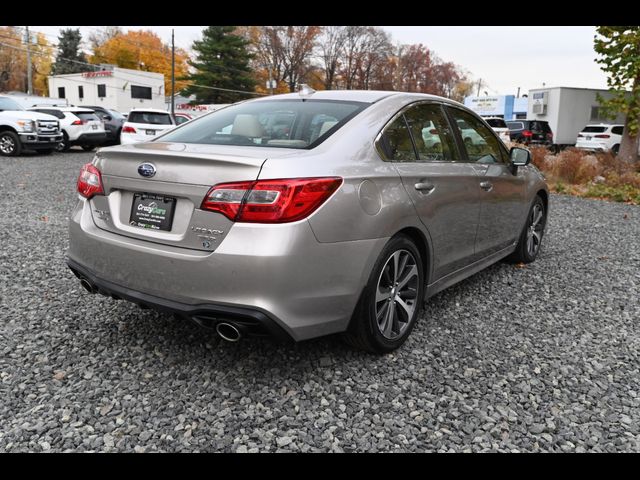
[[431, 133], [617, 130], [515, 125], [153, 118], [396, 144], [140, 92], [271, 123], [496, 123], [102, 90], [9, 104], [539, 127], [87, 116], [480, 142], [180, 120], [594, 129]]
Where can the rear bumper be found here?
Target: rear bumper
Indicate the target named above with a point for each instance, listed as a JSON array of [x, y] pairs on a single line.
[[592, 146], [254, 322], [90, 139], [307, 288]]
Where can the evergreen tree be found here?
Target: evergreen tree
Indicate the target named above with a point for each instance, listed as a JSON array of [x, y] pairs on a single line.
[[222, 61], [69, 53]]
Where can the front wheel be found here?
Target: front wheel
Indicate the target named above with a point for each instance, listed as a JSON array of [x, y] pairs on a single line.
[[391, 301], [531, 237], [10, 145], [64, 145]]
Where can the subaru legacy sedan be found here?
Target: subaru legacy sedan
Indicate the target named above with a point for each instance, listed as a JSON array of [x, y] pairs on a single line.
[[306, 214]]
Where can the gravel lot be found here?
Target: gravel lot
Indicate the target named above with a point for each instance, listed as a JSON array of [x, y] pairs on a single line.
[[541, 358]]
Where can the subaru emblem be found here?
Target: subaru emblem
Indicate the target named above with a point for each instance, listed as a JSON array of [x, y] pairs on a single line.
[[147, 170]]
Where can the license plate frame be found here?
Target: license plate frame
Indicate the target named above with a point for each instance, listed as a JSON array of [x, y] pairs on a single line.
[[150, 132], [154, 212]]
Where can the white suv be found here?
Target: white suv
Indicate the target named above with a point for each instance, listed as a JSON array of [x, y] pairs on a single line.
[[600, 137], [80, 126], [500, 127], [144, 124]]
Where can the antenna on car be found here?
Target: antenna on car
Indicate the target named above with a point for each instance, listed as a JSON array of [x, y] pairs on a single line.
[[305, 90]]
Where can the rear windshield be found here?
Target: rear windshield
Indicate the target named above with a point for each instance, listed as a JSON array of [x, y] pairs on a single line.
[[594, 129], [539, 127], [88, 116], [270, 123], [496, 123], [515, 125], [153, 118]]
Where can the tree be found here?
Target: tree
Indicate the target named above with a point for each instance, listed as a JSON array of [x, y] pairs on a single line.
[[222, 61], [13, 61], [70, 58], [618, 49], [331, 45], [139, 50]]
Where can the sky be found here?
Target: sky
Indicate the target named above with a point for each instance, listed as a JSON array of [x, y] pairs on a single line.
[[503, 58]]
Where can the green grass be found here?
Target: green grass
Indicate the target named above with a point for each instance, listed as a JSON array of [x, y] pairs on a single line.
[[624, 193]]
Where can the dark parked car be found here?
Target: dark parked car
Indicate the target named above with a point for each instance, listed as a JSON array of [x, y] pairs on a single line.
[[113, 121], [530, 132]]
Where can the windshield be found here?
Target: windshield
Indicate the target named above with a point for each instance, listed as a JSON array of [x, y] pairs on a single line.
[[270, 123], [152, 118], [9, 104]]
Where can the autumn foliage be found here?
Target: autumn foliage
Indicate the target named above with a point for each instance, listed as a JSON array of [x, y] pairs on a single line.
[[13, 61], [142, 50]]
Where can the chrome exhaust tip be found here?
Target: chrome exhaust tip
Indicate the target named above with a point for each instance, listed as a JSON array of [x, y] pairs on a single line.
[[87, 285], [228, 332]]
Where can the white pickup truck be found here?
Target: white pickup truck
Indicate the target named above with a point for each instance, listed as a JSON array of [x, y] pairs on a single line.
[[23, 130]]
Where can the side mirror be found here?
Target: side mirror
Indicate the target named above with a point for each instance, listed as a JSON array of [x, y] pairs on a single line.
[[107, 118], [520, 157]]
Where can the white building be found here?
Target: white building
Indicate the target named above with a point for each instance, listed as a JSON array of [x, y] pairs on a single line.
[[112, 87], [568, 110]]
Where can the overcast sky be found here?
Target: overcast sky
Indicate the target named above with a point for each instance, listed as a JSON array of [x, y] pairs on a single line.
[[504, 58]]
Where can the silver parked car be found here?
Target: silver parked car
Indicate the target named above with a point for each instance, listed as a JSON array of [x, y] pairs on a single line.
[[307, 214]]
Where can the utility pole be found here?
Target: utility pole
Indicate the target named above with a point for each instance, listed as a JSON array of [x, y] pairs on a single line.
[[173, 73], [479, 85], [29, 75], [518, 94], [270, 80]]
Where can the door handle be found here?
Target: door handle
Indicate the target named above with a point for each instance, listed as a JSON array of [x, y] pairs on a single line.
[[424, 187], [486, 186]]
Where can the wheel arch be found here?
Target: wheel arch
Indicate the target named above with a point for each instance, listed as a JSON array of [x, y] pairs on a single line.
[[422, 243], [8, 128], [545, 198]]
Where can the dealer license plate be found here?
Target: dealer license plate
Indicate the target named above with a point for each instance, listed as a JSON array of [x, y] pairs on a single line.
[[151, 132], [153, 212]]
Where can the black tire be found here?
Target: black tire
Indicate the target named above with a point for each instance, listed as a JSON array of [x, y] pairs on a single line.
[[64, 145], [523, 252], [365, 330], [46, 151], [10, 145], [88, 148], [615, 149]]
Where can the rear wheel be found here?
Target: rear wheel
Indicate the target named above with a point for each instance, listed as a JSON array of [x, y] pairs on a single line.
[[615, 149], [64, 145], [10, 145], [391, 301], [531, 237]]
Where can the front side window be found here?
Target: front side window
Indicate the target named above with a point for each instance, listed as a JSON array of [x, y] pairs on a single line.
[[431, 133], [480, 142], [269, 123]]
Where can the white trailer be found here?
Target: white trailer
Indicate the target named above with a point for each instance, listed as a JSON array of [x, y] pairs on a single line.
[[568, 110]]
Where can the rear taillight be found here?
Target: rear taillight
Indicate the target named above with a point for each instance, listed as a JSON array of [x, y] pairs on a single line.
[[527, 133], [90, 182], [128, 129], [270, 201], [79, 122], [602, 136], [580, 135], [433, 131]]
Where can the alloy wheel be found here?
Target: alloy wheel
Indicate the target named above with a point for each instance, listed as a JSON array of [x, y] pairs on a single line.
[[535, 229], [396, 294], [7, 145]]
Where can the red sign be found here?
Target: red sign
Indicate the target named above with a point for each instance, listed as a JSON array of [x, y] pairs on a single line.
[[102, 73]]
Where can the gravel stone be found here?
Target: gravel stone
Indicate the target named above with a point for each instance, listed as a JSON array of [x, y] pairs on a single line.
[[541, 357]]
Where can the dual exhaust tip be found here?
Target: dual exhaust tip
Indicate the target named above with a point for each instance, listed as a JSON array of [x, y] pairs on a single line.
[[226, 331]]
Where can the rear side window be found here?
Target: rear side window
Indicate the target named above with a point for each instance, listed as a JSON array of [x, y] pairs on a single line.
[[152, 118], [496, 123], [86, 116], [617, 130], [269, 123], [396, 144], [540, 127], [431, 133], [515, 125], [590, 129]]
